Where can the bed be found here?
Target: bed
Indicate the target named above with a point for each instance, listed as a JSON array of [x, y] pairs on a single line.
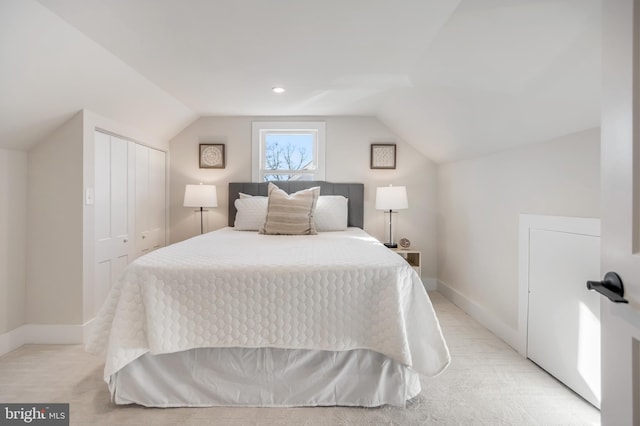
[[240, 318]]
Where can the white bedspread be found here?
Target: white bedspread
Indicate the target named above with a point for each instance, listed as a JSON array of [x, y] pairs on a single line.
[[333, 291]]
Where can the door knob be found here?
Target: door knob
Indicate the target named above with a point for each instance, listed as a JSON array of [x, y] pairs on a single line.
[[611, 287]]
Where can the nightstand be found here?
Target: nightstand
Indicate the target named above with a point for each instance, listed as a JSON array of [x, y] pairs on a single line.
[[413, 257]]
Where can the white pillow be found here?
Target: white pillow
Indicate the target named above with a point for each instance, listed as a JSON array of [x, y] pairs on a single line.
[[251, 213], [331, 213], [243, 195]]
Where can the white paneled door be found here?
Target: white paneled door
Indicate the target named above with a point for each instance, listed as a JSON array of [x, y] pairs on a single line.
[[130, 206], [620, 167], [113, 215], [157, 198], [150, 199], [142, 196]]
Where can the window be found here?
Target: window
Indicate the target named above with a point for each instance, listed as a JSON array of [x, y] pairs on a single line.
[[288, 151]]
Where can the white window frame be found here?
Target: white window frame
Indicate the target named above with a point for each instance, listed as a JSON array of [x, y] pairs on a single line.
[[261, 128]]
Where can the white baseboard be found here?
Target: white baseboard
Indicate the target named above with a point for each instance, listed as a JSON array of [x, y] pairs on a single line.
[[47, 334], [11, 340], [53, 334], [481, 314]]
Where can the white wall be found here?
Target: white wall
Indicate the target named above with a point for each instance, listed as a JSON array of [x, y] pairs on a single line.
[[54, 260], [479, 202], [13, 238], [347, 159]]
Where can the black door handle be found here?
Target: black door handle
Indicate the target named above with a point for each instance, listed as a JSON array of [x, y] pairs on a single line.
[[611, 286]]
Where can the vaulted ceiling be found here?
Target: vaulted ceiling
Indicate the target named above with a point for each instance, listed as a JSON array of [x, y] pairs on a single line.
[[453, 78]]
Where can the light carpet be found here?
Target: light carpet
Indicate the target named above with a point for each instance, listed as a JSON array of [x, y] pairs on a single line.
[[487, 383]]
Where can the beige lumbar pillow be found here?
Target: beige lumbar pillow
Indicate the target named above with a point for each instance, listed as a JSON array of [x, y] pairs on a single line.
[[291, 214]]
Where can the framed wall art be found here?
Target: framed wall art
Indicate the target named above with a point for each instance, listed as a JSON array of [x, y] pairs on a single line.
[[212, 156], [383, 156]]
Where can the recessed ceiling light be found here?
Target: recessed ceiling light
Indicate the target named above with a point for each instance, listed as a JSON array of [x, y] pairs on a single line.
[[278, 89]]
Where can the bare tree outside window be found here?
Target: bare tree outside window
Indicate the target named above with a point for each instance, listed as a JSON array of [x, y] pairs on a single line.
[[285, 153]]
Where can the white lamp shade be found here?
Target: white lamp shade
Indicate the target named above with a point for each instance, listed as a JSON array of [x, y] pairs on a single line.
[[391, 198], [200, 196]]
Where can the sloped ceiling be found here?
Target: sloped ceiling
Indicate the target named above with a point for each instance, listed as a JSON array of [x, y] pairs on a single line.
[[50, 71], [453, 78]]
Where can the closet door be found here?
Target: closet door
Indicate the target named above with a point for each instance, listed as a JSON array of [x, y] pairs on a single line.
[[150, 199], [157, 198], [113, 208], [142, 200], [564, 317]]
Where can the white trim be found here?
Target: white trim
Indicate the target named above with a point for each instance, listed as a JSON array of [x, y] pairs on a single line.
[[571, 225], [53, 334], [44, 334], [257, 127], [12, 340], [480, 314]]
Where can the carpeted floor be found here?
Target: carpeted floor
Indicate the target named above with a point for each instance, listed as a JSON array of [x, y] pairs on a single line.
[[487, 383]]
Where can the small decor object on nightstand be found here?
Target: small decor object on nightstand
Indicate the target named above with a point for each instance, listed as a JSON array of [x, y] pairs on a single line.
[[383, 156], [212, 156], [404, 243]]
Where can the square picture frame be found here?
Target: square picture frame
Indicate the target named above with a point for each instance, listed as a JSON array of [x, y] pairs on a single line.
[[383, 155], [212, 156]]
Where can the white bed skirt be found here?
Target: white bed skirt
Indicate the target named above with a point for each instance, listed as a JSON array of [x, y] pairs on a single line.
[[264, 377]]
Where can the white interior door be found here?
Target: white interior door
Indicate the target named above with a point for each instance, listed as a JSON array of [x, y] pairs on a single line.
[[157, 198], [564, 317], [621, 211], [113, 224], [143, 240], [150, 199]]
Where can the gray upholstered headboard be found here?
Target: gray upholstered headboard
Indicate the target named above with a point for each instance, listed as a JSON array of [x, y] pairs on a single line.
[[353, 191]]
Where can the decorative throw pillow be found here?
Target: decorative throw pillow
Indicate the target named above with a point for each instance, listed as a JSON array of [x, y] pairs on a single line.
[[290, 214], [251, 212], [331, 213]]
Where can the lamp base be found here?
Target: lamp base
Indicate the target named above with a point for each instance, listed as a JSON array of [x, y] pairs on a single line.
[[391, 245]]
